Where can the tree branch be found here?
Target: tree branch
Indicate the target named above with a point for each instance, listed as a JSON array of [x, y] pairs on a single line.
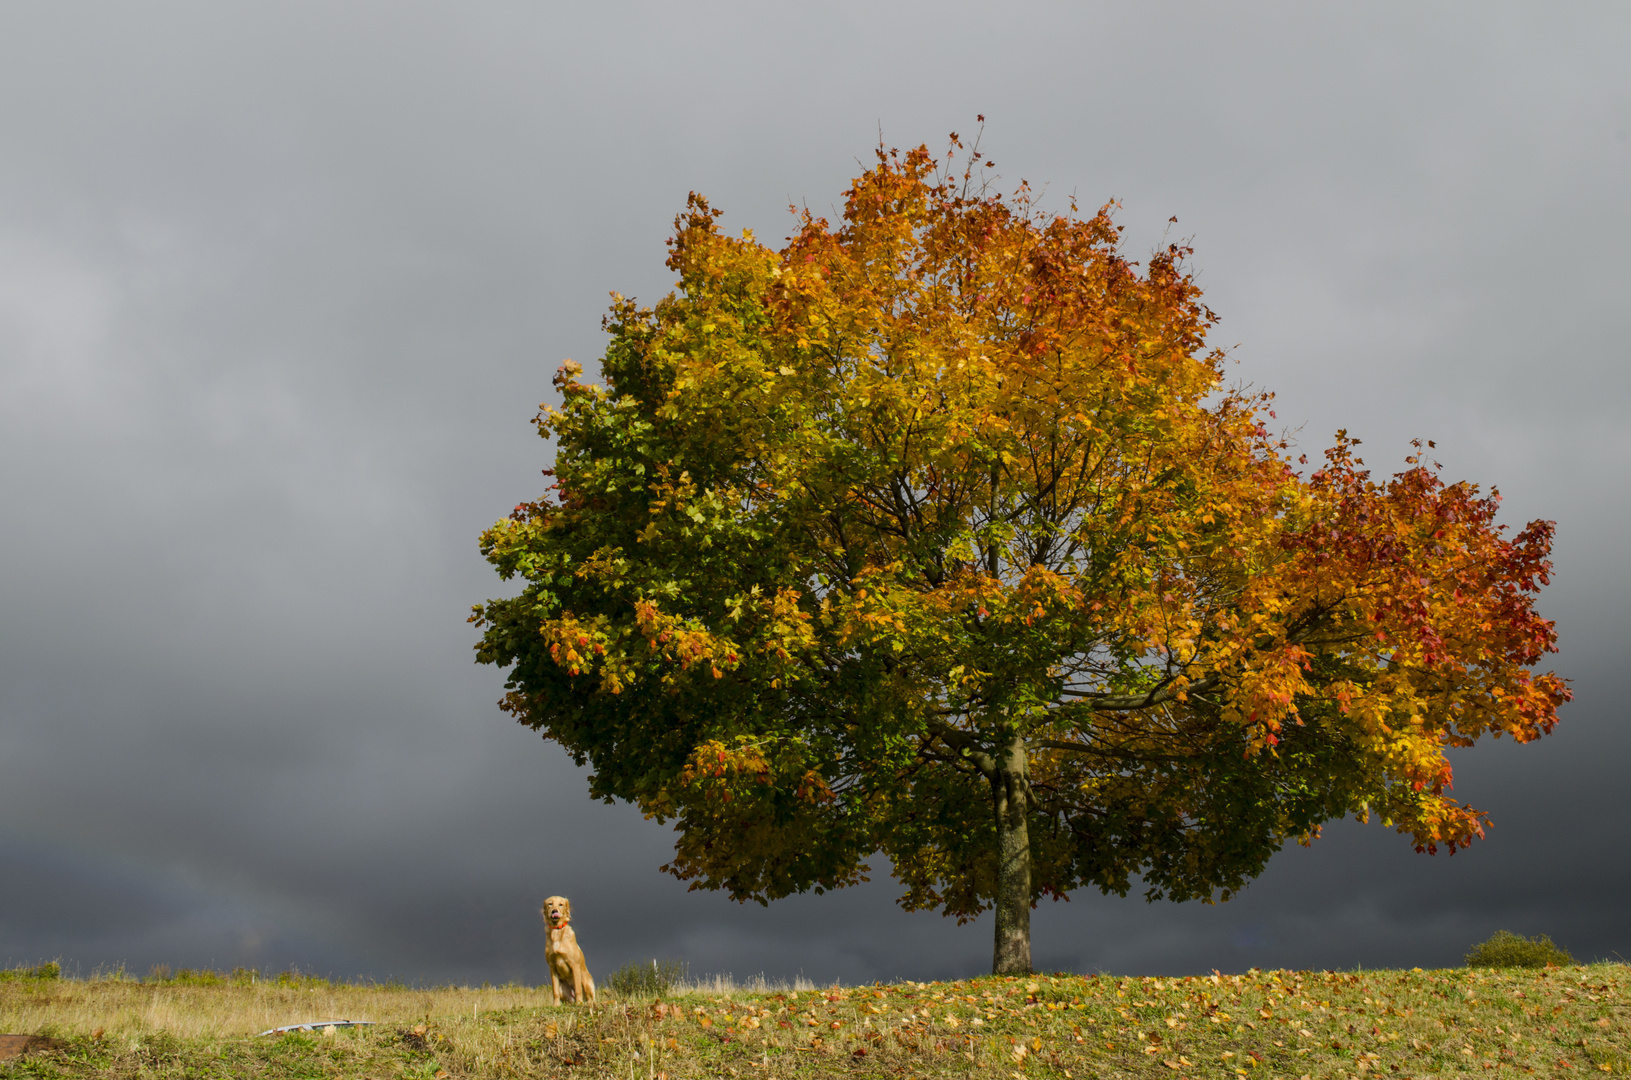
[[1165, 692], [966, 745]]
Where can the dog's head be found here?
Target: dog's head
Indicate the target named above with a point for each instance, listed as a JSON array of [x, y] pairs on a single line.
[[557, 911]]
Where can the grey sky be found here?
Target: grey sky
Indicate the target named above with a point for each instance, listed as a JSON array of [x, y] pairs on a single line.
[[282, 284]]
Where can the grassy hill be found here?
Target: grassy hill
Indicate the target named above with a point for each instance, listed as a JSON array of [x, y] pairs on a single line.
[[1569, 1021]]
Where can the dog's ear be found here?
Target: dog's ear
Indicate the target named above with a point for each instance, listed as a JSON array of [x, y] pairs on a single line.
[[566, 907]]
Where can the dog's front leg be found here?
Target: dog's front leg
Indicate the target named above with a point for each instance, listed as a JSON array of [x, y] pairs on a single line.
[[555, 986]]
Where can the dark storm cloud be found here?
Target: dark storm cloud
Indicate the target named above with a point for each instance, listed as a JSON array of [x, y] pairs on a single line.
[[280, 287]]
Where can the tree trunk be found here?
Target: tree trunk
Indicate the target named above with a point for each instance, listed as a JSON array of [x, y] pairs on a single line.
[[1012, 955]]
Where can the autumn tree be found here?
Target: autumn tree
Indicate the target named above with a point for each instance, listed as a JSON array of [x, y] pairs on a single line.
[[938, 534]]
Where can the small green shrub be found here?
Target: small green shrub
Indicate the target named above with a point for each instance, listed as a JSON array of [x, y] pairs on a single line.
[[48, 970], [646, 980], [294, 979], [1506, 949], [201, 977]]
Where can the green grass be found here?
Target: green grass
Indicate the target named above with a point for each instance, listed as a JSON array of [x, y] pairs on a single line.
[[1465, 1022], [49, 970]]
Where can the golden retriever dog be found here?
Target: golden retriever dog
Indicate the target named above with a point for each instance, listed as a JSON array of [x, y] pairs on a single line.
[[566, 963]]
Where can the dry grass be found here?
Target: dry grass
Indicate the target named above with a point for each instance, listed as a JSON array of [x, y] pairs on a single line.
[[127, 1010], [1262, 1025]]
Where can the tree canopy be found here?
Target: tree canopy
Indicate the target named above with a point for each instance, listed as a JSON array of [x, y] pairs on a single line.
[[939, 534]]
